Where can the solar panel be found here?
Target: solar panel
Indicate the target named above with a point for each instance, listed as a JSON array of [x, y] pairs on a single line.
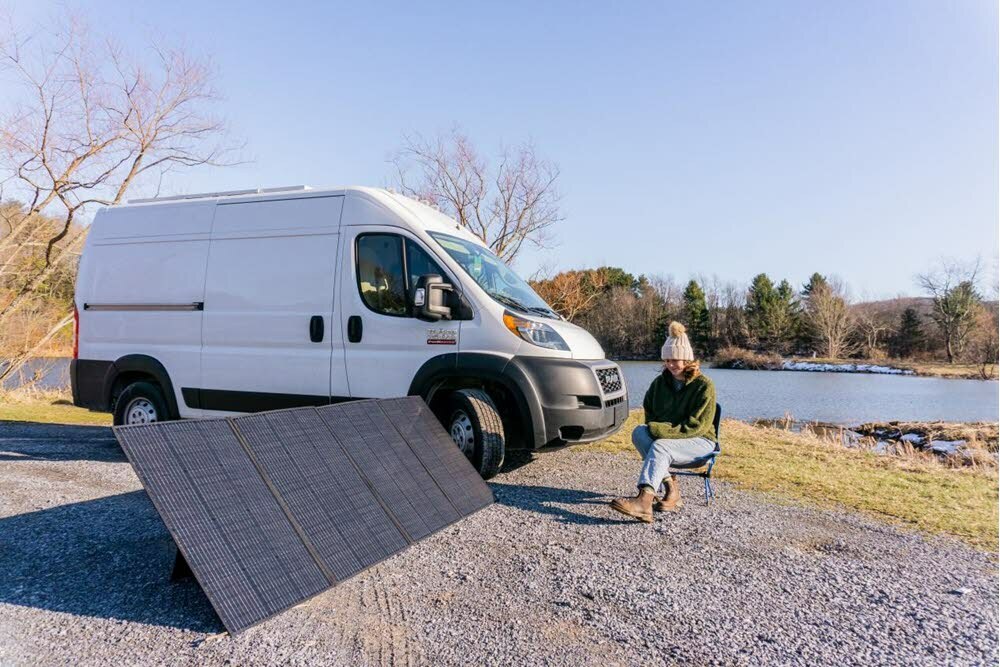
[[349, 527], [437, 452], [239, 544], [270, 509], [388, 462]]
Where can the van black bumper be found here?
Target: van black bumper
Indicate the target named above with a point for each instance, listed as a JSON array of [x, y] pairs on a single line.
[[88, 379], [570, 406]]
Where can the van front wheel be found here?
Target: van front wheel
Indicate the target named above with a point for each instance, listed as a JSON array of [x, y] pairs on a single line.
[[474, 424], [140, 403]]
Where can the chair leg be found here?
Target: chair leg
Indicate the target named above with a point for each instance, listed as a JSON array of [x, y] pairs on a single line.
[[708, 490]]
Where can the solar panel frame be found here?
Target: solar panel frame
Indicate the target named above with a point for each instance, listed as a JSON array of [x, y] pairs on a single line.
[[410, 487]]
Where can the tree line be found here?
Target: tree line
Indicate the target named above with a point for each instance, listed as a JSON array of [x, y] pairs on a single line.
[[628, 315]]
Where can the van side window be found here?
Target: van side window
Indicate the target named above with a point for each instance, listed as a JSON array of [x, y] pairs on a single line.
[[380, 273], [419, 263]]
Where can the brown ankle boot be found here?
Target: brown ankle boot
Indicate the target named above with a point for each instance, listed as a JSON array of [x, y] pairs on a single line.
[[672, 499], [639, 507]]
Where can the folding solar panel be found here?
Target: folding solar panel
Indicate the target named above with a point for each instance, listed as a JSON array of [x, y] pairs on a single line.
[[438, 453], [271, 509], [349, 526], [239, 544], [393, 469]]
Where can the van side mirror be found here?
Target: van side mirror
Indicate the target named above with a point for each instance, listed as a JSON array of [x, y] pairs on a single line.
[[429, 298]]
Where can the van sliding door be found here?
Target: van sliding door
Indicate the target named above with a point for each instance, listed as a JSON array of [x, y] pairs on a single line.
[[270, 339]]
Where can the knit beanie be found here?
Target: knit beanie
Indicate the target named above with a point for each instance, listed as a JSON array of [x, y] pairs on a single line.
[[677, 346]]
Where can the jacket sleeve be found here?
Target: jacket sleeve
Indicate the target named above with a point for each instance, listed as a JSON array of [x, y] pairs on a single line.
[[647, 401], [699, 422]]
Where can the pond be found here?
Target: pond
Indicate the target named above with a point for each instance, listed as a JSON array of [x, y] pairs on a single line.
[[839, 398]]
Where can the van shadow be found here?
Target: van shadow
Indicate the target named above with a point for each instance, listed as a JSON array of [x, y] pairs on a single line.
[[107, 558], [551, 501], [28, 441]]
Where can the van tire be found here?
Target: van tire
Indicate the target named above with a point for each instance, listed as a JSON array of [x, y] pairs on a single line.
[[138, 398], [473, 422]]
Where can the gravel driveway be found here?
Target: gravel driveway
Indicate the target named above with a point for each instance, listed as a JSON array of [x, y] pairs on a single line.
[[548, 575]]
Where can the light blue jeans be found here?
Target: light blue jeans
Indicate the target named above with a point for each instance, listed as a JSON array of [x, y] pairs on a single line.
[[659, 455]]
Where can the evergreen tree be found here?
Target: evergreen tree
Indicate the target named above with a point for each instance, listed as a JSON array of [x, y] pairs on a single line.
[[772, 313], [816, 281], [910, 338], [699, 326]]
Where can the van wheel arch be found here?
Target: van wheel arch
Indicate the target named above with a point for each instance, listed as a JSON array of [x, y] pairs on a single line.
[[140, 368]]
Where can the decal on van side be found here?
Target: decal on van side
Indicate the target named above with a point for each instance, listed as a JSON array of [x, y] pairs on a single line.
[[442, 337]]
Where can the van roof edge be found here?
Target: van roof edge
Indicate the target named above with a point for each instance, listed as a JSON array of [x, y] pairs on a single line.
[[223, 193]]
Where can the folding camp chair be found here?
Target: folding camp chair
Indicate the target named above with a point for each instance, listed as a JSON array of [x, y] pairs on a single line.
[[706, 462]]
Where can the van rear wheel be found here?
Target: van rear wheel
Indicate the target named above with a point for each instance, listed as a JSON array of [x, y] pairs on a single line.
[[140, 403], [474, 424]]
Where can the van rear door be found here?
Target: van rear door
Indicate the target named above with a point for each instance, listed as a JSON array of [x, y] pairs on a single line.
[[269, 339]]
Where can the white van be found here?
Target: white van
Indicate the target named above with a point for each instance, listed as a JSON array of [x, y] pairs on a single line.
[[224, 303]]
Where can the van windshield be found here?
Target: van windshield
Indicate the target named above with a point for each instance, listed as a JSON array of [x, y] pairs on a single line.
[[505, 286]]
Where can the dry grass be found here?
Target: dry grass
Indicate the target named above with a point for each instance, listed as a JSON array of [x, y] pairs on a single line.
[[918, 492], [47, 406], [982, 435], [737, 357]]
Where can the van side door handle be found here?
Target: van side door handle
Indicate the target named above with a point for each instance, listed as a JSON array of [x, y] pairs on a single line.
[[316, 328], [354, 328]]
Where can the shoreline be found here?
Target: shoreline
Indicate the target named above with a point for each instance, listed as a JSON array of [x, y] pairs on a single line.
[[866, 367]]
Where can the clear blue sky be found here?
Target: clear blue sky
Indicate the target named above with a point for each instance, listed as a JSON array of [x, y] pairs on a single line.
[[850, 138]]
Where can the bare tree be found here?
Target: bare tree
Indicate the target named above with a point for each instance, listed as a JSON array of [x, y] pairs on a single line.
[[91, 122], [983, 347], [956, 302], [504, 205], [829, 318], [873, 330]]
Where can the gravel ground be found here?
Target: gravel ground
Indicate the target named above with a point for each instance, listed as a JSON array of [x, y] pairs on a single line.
[[548, 575]]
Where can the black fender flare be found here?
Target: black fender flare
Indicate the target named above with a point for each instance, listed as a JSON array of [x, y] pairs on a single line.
[[436, 371], [141, 363]]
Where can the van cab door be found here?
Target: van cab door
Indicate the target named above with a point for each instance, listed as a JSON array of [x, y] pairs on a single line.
[[384, 343]]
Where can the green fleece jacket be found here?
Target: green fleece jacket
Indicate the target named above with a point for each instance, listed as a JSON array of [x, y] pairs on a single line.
[[684, 413]]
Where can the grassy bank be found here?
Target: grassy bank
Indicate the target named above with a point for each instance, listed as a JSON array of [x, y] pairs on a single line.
[[738, 358], [918, 493], [51, 407], [924, 368]]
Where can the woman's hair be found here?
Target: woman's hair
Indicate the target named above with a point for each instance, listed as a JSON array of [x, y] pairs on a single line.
[[692, 369]]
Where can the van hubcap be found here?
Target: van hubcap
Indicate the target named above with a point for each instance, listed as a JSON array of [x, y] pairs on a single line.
[[140, 411], [463, 434]]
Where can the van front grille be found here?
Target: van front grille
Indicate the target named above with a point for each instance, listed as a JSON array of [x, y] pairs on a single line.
[[611, 402], [610, 379]]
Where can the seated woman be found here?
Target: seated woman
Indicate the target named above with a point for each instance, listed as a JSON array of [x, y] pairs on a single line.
[[679, 413]]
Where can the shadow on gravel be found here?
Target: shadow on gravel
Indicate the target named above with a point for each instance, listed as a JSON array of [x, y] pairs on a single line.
[[547, 500], [517, 459], [28, 441], [109, 558]]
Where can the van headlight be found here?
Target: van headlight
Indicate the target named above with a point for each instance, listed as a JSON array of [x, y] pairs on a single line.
[[536, 333]]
